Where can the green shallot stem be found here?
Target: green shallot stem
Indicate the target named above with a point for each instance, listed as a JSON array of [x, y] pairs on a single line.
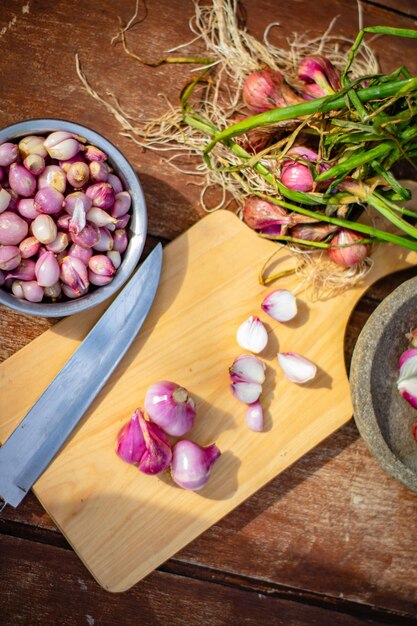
[[356, 160], [379, 30], [314, 244], [319, 105]]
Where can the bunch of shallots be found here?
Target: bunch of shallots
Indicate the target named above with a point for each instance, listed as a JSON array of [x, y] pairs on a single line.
[[144, 442]]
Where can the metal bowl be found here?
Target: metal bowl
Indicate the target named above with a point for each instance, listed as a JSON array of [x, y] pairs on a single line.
[[384, 419], [137, 224]]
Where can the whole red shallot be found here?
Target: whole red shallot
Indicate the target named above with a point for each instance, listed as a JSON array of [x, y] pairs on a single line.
[[192, 464], [171, 407], [345, 251]]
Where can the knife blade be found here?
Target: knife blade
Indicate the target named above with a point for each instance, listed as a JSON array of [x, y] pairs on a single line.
[[40, 435]]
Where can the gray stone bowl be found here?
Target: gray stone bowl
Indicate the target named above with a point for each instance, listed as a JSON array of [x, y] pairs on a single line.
[[137, 226], [384, 419]]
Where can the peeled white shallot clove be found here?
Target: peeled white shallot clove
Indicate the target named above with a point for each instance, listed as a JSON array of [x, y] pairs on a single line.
[[296, 368], [251, 335], [280, 304]]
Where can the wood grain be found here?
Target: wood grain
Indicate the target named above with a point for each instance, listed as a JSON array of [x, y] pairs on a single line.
[[188, 337], [259, 543]]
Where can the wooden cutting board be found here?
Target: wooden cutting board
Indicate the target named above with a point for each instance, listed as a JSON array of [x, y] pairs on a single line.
[[124, 524]]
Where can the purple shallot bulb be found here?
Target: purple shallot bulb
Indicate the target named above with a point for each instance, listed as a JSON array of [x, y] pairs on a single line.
[[98, 171], [120, 240], [158, 453], [44, 228], [29, 247], [105, 242], [122, 204], [192, 464], [319, 75], [62, 145], [280, 304], [260, 214], [49, 200], [247, 375], [87, 237], [65, 165], [121, 222], [21, 181], [47, 269], [171, 407], [78, 174], [26, 208], [35, 164], [100, 280], [9, 153], [32, 144], [100, 217], [32, 291], [102, 265], [296, 368], [74, 274], [102, 195], [53, 176], [13, 229], [59, 244], [345, 250], [72, 200], [84, 254], [130, 442], [10, 258], [115, 182], [24, 271], [71, 293], [92, 153], [262, 90]]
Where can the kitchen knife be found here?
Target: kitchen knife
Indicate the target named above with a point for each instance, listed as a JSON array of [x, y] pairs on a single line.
[[42, 432]]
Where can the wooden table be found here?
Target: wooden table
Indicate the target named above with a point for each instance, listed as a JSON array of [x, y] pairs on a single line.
[[330, 541]]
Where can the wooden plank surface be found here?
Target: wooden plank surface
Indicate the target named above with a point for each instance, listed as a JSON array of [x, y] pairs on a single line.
[[338, 573], [188, 337]]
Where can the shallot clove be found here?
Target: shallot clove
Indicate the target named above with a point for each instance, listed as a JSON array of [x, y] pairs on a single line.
[[171, 407], [47, 269], [130, 442], [319, 75], [157, 455], [8, 153], [192, 464], [5, 198], [21, 180], [74, 274], [62, 145], [255, 417], [407, 379], [102, 195], [13, 229], [296, 368], [252, 335], [280, 304], [10, 258], [247, 374]]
